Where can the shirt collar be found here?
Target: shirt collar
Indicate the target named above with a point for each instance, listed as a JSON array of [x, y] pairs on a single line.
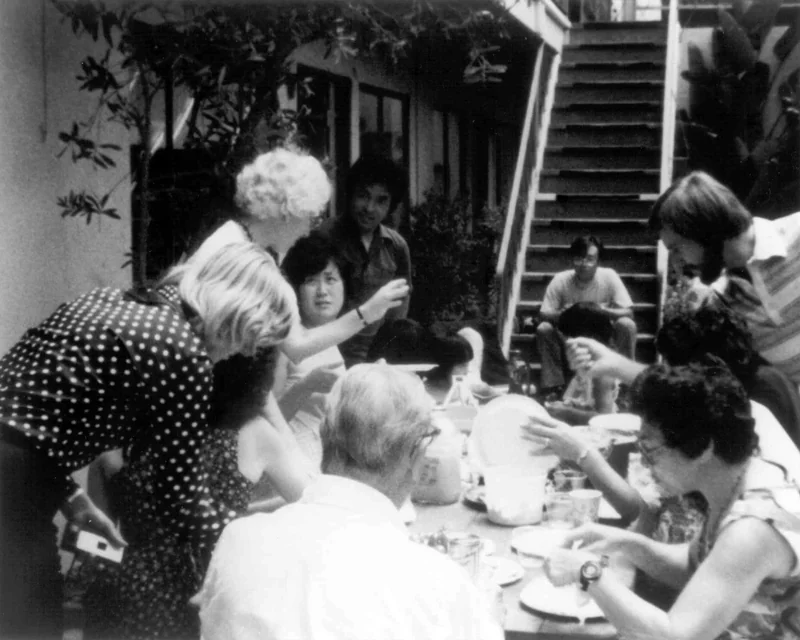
[[769, 241], [353, 496]]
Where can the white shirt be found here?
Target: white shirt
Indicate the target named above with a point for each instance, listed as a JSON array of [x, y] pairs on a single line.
[[773, 442], [336, 564]]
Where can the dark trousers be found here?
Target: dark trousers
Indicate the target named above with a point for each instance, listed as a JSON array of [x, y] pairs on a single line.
[[31, 588]]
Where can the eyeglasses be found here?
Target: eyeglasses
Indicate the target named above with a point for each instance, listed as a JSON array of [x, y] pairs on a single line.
[[425, 439], [590, 260], [648, 453]]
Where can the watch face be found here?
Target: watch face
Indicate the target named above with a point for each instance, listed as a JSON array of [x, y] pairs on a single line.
[[591, 570]]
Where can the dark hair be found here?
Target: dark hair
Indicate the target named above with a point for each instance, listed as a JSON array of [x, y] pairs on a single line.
[[586, 320], [712, 329], [580, 246], [405, 341], [241, 386], [696, 405], [699, 208], [310, 255], [371, 170]]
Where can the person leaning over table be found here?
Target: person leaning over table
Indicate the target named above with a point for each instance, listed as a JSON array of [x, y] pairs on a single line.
[[278, 195], [740, 577], [753, 263], [339, 562], [114, 369]]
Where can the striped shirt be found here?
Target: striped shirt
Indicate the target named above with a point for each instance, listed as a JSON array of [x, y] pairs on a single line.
[[771, 302]]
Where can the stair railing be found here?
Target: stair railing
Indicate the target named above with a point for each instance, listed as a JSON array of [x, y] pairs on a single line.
[[522, 200], [671, 77]]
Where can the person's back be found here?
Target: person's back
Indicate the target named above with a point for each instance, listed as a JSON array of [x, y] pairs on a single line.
[[337, 564]]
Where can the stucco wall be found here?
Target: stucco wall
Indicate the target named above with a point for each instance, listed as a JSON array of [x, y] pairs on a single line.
[[45, 259]]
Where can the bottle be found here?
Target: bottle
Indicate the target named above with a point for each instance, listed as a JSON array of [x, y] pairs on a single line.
[[460, 405], [519, 373], [439, 480]]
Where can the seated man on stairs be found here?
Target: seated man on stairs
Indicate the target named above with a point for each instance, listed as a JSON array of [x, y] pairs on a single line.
[[587, 281]]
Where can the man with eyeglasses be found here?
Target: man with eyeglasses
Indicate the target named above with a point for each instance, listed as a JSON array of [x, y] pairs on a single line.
[[587, 281], [338, 563]]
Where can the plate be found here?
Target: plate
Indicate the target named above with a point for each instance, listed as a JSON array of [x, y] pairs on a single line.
[[438, 540], [475, 498], [537, 541], [503, 571], [416, 367], [627, 423], [497, 438], [565, 602]]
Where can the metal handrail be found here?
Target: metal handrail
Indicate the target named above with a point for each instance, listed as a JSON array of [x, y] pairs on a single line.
[[671, 77]]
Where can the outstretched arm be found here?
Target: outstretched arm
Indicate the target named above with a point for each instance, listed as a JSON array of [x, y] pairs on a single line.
[[302, 342]]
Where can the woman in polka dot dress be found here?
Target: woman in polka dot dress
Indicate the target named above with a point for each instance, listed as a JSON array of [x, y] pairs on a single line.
[[113, 370]]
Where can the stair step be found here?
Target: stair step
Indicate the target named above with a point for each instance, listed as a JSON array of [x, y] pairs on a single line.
[[705, 14], [599, 181], [614, 52], [591, 92], [644, 313], [613, 72], [612, 134], [642, 287], [608, 231], [600, 208], [618, 33], [630, 157], [628, 259], [609, 112]]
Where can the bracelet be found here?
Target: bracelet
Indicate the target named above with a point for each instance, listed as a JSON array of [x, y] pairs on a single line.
[[361, 315]]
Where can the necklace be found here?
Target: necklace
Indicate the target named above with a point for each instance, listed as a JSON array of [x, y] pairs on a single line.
[[725, 505]]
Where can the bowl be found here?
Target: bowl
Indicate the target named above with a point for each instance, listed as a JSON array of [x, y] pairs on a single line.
[[617, 423]]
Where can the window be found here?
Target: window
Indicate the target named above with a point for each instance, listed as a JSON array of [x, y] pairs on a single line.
[[383, 124]]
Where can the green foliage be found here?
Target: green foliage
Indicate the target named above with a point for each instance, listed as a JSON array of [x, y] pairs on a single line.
[[453, 256], [231, 58], [723, 126]]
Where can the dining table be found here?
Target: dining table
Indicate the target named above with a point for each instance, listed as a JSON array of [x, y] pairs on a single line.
[[520, 622]]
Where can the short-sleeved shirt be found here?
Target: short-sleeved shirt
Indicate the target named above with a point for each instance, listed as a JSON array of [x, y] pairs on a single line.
[[388, 258], [770, 304], [108, 371], [606, 288]]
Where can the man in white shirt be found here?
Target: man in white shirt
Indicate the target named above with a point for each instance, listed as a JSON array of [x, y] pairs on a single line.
[[339, 563]]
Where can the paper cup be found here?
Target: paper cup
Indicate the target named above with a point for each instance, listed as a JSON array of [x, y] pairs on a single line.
[[585, 505]]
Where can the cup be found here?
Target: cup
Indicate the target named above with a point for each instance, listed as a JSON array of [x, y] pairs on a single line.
[[465, 549], [568, 480], [585, 505], [514, 494], [559, 512]]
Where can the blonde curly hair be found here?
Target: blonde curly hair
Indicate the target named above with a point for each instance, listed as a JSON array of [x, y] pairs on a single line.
[[285, 182], [242, 301]]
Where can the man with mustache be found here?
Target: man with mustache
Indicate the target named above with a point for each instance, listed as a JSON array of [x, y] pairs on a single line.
[[375, 253], [753, 263]]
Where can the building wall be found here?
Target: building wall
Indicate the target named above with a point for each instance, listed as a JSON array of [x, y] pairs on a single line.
[[45, 259]]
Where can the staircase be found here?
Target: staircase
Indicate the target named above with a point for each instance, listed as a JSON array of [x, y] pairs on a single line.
[[601, 170]]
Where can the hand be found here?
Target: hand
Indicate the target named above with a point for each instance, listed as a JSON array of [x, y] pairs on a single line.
[[563, 566], [589, 355], [84, 514], [563, 440], [600, 539], [389, 296]]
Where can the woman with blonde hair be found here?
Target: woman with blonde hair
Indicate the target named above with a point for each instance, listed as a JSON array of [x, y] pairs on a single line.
[[113, 369]]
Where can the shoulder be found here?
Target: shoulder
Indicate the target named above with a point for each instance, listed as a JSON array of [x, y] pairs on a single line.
[[755, 544], [562, 278], [393, 237], [607, 274]]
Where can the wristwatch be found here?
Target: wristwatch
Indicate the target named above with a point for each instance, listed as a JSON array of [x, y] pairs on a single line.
[[591, 571]]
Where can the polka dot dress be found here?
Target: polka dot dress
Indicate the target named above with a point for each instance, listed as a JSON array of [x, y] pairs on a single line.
[[147, 596], [107, 371]]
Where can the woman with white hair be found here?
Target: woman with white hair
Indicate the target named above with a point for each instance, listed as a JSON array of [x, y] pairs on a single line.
[[114, 369], [278, 195]]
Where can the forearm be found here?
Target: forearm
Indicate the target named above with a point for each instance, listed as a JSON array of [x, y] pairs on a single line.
[[626, 370], [631, 616], [618, 312], [622, 496], [302, 342], [549, 315], [668, 563]]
